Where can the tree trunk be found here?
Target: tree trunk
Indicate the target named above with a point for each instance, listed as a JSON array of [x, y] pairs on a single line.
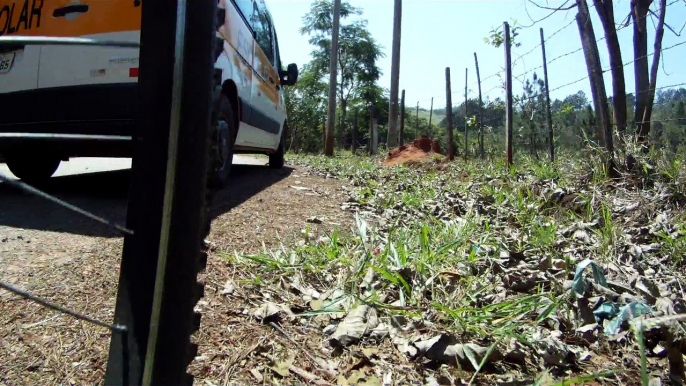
[[606, 14], [639, 12], [333, 81], [595, 75], [293, 138], [659, 32]]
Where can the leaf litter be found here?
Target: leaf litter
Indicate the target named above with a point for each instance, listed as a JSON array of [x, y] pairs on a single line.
[[470, 274]]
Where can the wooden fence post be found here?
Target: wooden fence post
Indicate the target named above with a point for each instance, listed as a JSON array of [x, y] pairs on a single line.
[[417, 117], [431, 113], [466, 117], [508, 98], [401, 139], [354, 144], [449, 115], [549, 118], [481, 111], [375, 134], [371, 129]]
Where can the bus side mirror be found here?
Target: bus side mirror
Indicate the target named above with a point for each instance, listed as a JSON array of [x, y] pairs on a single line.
[[290, 76]]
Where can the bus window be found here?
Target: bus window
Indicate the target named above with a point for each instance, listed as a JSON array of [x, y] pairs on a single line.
[[263, 31], [247, 8]]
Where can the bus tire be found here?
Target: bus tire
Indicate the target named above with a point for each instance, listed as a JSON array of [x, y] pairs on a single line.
[[33, 168], [222, 143]]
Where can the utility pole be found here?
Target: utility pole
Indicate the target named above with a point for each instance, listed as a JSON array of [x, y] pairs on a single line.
[[333, 74], [449, 114], [395, 77], [401, 141], [481, 111], [509, 117], [549, 118], [466, 116]]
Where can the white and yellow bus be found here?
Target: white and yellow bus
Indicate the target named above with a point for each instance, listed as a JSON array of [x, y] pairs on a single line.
[[85, 98]]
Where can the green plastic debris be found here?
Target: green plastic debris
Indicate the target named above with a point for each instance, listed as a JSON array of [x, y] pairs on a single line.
[[626, 313], [606, 311], [580, 286]]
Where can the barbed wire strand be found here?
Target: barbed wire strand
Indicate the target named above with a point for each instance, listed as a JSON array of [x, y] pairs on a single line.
[[554, 10], [648, 55], [539, 44], [544, 41], [563, 55], [47, 304], [623, 65], [30, 189], [586, 77], [581, 48]]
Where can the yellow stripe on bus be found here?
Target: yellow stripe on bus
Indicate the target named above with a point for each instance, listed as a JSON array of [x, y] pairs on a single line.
[[46, 17]]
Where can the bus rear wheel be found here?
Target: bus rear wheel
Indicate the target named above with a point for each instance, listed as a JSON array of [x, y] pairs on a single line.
[[33, 168], [222, 142]]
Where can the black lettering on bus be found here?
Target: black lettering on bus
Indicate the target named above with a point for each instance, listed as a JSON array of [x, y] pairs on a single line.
[[5, 11], [11, 29], [24, 16], [36, 11]]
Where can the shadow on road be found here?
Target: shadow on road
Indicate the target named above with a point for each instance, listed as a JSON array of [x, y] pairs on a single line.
[[105, 194]]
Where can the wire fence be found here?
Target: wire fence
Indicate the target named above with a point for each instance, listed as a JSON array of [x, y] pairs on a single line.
[[19, 185], [495, 94], [154, 314], [536, 48]]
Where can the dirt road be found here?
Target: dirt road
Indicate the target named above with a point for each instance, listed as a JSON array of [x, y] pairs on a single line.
[[95, 165], [74, 262]]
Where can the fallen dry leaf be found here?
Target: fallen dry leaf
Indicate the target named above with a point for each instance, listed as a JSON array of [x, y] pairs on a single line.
[[444, 348], [359, 321], [309, 377], [283, 367], [258, 376]]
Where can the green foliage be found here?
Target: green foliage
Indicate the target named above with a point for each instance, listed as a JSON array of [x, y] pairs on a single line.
[[358, 53], [496, 36], [306, 104], [467, 244], [573, 118]]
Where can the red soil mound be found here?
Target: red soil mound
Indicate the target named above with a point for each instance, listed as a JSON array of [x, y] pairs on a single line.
[[423, 149]]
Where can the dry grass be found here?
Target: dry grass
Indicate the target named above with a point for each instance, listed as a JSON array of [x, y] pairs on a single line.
[[41, 347], [284, 251]]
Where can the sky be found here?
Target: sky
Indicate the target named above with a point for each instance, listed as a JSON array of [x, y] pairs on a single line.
[[446, 33]]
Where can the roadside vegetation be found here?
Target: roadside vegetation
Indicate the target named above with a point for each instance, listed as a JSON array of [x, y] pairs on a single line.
[[466, 272]]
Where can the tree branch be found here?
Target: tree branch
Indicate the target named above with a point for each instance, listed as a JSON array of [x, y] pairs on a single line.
[[626, 21], [659, 33], [664, 24], [560, 8]]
